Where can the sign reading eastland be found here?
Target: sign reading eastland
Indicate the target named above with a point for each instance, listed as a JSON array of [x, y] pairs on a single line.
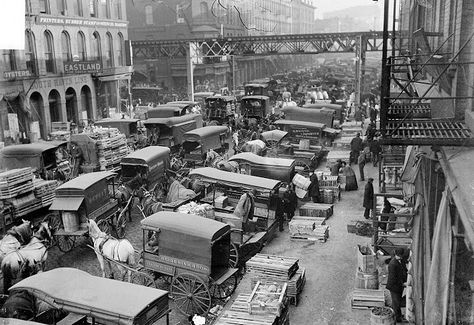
[[82, 67], [78, 22]]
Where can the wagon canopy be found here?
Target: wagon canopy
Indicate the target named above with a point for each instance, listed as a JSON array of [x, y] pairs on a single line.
[[125, 126], [274, 135], [186, 224], [162, 111], [108, 301], [172, 121], [216, 176], [208, 137], [322, 115], [147, 156], [259, 160], [295, 123], [35, 155]]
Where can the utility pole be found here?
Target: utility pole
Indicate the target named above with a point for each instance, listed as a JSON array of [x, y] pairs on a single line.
[[385, 82]]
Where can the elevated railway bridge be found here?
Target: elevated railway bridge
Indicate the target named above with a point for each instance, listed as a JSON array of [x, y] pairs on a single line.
[[195, 50]]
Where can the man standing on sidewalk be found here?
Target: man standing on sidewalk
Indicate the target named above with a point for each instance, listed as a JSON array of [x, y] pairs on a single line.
[[356, 146], [361, 162], [397, 276], [368, 198]]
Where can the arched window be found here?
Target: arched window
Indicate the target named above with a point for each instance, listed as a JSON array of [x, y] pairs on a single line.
[[148, 15], [30, 51], [62, 7], [204, 9], [9, 60], [66, 46], [108, 6], [49, 52], [118, 9], [93, 8], [120, 49], [109, 49], [81, 46], [44, 7], [78, 8], [96, 50]]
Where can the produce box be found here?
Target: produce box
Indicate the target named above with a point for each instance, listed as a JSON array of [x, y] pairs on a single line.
[[221, 202], [267, 298], [301, 227], [319, 210], [366, 259], [272, 265]]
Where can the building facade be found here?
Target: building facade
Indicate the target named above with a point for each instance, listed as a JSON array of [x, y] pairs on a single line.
[[73, 68]]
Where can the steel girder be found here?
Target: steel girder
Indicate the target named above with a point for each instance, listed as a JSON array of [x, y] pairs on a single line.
[[258, 45]]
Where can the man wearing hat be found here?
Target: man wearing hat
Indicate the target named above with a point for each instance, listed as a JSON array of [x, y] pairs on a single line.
[[397, 276], [356, 147], [368, 198]]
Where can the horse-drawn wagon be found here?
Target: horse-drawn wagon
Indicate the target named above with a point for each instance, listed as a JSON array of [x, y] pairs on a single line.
[[194, 253], [197, 142], [148, 164], [275, 168], [89, 196], [168, 131], [324, 115], [255, 106], [220, 108], [129, 127], [252, 216], [87, 299]]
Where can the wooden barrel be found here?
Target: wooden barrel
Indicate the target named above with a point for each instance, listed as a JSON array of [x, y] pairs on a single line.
[[382, 316], [367, 280], [70, 221]]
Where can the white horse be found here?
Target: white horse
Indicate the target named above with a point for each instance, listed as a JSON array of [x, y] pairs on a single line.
[[29, 259], [16, 237], [120, 250]]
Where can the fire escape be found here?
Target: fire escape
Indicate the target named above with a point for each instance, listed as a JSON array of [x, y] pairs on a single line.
[[417, 106]]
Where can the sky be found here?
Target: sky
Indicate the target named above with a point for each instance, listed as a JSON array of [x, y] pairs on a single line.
[[324, 6]]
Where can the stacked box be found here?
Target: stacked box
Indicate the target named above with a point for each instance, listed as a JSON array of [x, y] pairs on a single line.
[[319, 210]]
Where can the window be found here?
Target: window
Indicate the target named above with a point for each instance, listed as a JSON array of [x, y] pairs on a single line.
[[44, 6], [107, 9], [49, 52], [96, 46], [118, 9], [30, 52], [27, 6], [109, 51], [81, 46], [204, 9], [66, 46], [93, 8], [9, 60], [78, 8], [148, 15], [62, 7], [120, 49]]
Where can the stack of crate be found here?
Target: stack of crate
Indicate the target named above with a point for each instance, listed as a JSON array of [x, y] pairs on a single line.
[[16, 181], [44, 190], [280, 269]]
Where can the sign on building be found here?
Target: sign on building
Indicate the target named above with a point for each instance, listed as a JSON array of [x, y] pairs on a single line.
[[82, 67], [17, 74]]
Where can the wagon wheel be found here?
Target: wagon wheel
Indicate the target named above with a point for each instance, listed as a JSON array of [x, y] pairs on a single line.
[[104, 226], [302, 167], [65, 243], [121, 225], [233, 255], [224, 289], [191, 295], [54, 221], [143, 278]]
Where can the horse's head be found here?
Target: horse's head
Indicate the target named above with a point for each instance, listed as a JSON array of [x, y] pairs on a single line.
[[25, 231], [43, 231], [94, 231]]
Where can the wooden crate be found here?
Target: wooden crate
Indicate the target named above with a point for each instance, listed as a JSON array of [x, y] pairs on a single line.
[[256, 303], [317, 221], [301, 227], [320, 210], [320, 233], [366, 298], [273, 265]]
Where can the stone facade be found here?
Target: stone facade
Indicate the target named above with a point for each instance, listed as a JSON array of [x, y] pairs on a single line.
[[88, 36]]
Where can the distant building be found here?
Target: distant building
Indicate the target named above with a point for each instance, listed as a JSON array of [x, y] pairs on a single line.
[[72, 69]]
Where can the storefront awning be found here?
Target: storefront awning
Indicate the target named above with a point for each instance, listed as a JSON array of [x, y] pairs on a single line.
[[115, 77], [457, 166], [66, 203]]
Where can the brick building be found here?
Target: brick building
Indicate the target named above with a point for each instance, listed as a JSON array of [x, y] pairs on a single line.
[[72, 68]]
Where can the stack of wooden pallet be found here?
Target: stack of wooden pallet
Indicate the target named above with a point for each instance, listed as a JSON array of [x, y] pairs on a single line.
[[44, 190], [320, 233], [16, 181], [364, 298], [319, 210], [24, 204], [272, 265]]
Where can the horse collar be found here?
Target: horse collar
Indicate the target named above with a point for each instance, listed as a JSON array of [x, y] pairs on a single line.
[[102, 243]]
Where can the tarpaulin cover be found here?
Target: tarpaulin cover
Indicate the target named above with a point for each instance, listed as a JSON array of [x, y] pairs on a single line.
[[436, 304]]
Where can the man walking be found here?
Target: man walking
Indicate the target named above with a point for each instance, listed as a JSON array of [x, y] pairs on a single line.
[[356, 146], [368, 198], [397, 276], [361, 162]]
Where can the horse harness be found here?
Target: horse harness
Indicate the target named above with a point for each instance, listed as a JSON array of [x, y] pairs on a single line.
[[115, 251]]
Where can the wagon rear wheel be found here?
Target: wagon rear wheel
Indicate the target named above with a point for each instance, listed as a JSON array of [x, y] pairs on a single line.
[[233, 255], [65, 243], [191, 295], [54, 221], [224, 289], [302, 167], [120, 226]]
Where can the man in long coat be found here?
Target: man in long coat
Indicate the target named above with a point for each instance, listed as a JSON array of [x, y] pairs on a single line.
[[397, 276], [356, 147], [314, 188], [368, 198]]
